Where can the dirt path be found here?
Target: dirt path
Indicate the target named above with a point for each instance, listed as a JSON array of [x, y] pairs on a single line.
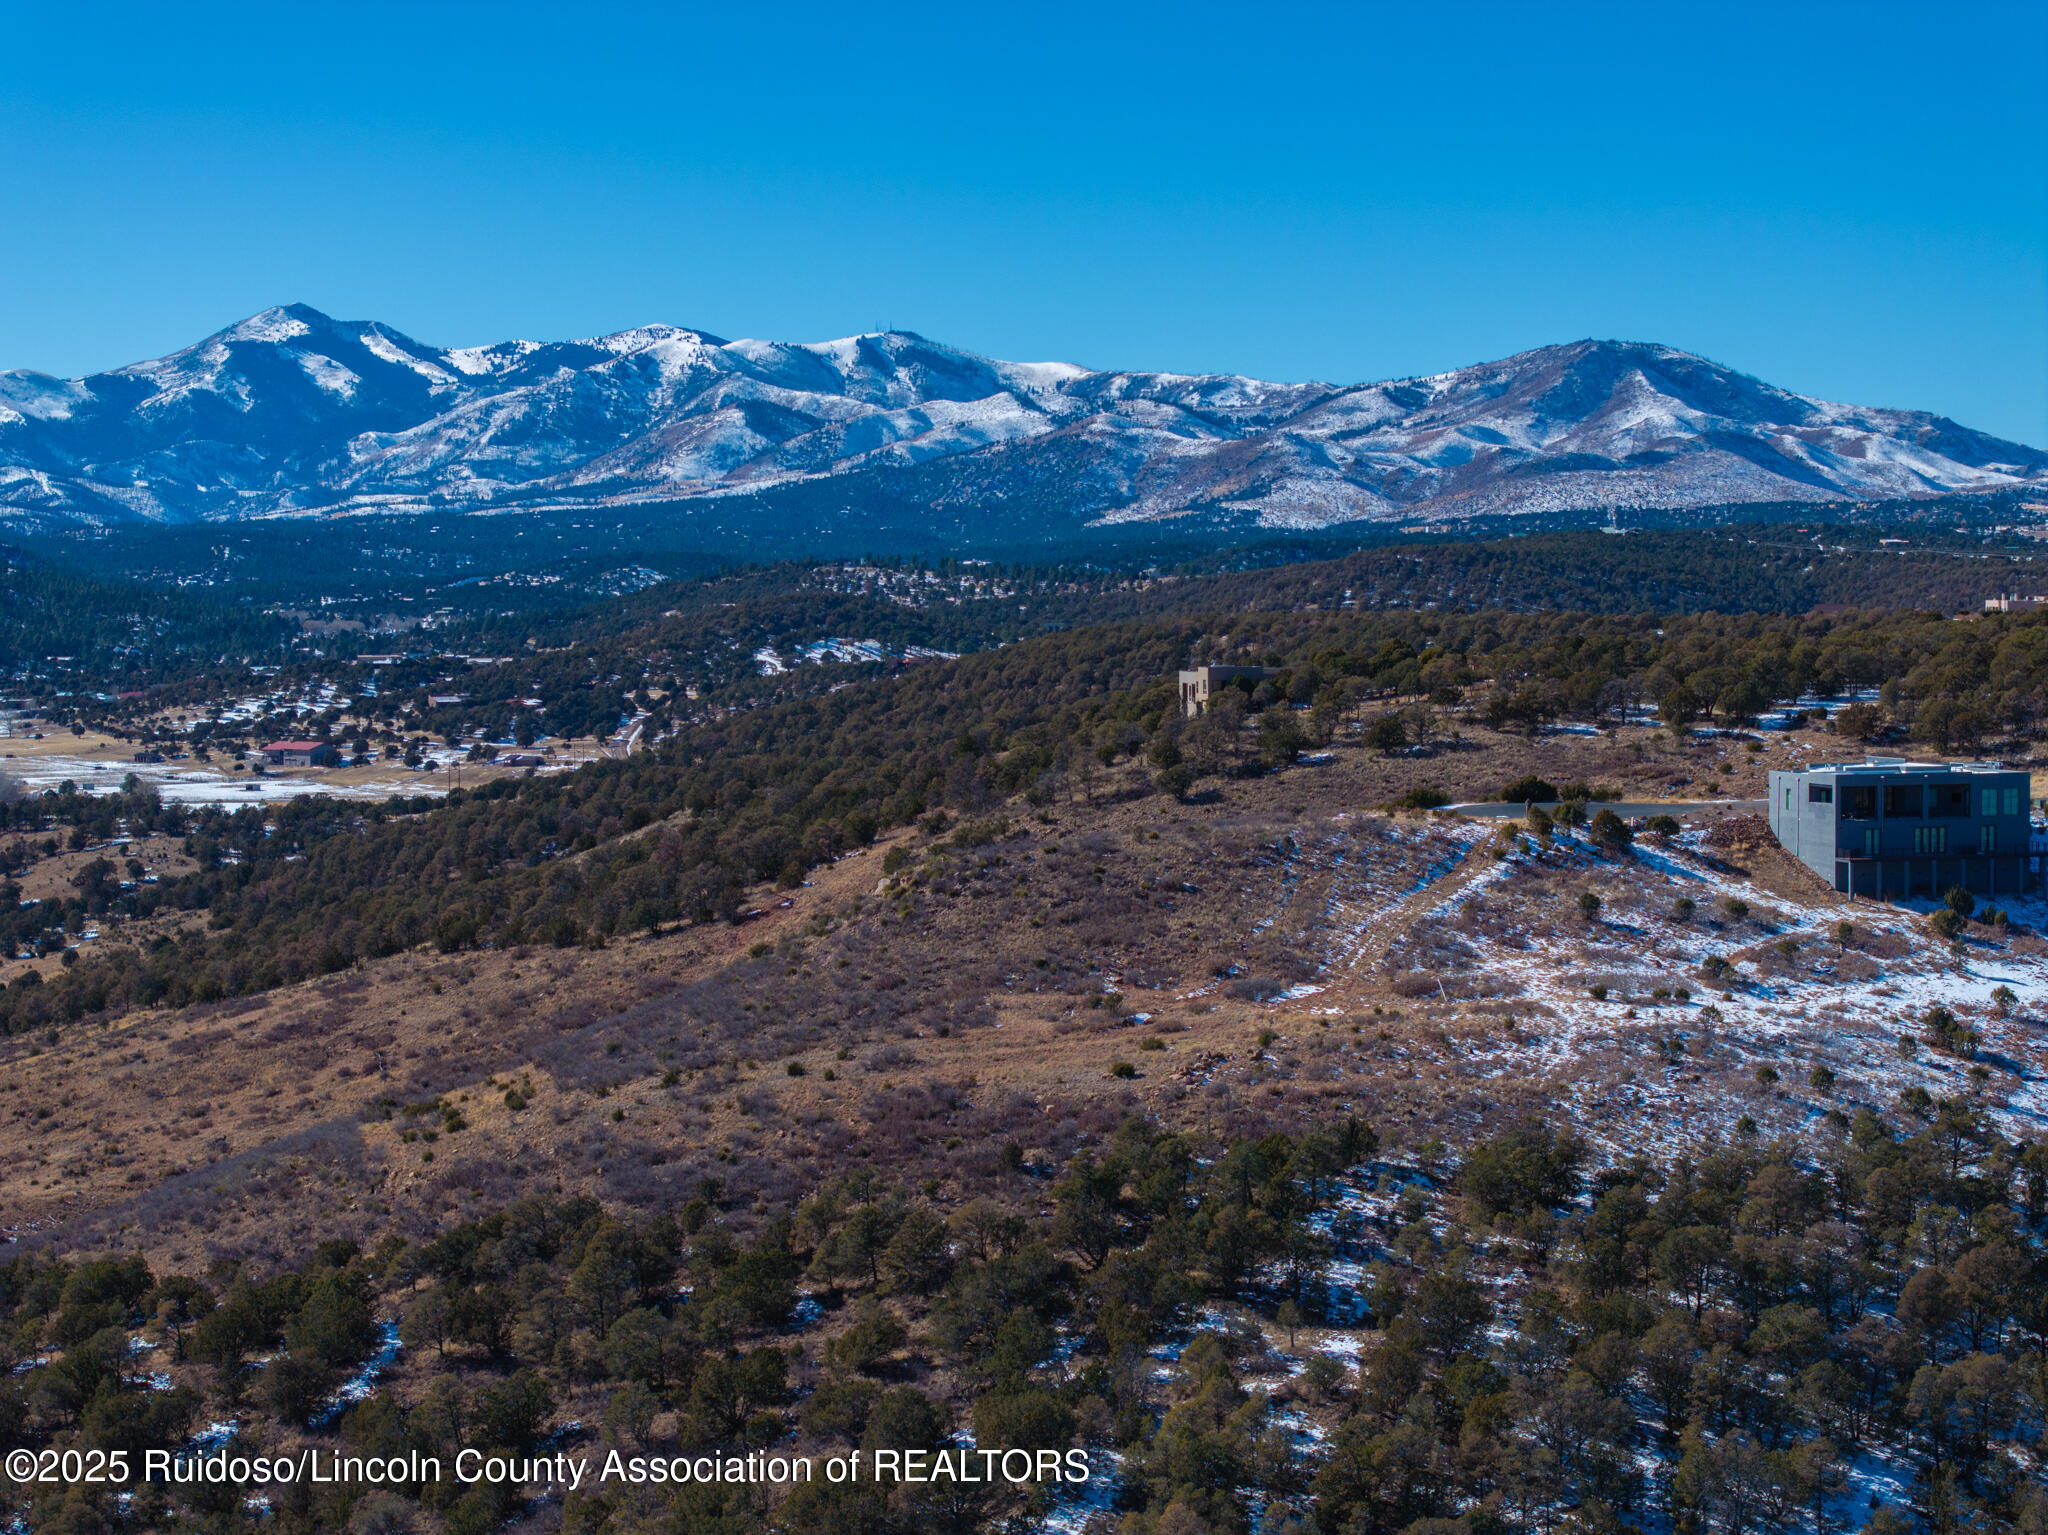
[[1385, 926]]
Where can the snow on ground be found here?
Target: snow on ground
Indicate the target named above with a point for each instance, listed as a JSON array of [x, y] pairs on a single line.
[[1075, 1504], [1360, 1221], [185, 784], [1845, 1009], [773, 662], [1363, 865], [1634, 1072], [359, 1386], [214, 1437]]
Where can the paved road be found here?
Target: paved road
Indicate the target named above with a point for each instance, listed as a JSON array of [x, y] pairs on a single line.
[[1497, 810], [628, 741]]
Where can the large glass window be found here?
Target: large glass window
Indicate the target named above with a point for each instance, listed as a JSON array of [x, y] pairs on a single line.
[[1859, 802], [1987, 802], [1948, 800], [2011, 797], [1930, 839], [1820, 794], [1902, 799]]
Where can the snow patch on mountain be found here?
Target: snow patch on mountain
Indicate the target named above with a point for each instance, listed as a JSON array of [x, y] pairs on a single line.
[[375, 342], [273, 324], [328, 373]]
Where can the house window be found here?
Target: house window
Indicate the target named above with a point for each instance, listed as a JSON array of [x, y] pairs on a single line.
[[1948, 799], [1820, 794], [1987, 802], [1930, 839], [2012, 801], [1788, 796], [1987, 838], [1902, 799], [1870, 842], [1859, 802]]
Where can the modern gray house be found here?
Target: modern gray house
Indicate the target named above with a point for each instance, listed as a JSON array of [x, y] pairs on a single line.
[[1887, 827]]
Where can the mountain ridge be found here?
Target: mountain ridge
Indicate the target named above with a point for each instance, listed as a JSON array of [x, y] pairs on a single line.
[[291, 411]]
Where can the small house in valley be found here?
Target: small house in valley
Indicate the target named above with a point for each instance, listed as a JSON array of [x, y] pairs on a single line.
[[301, 754]]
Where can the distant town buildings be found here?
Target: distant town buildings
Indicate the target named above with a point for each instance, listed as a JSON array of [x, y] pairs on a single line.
[[2005, 604]]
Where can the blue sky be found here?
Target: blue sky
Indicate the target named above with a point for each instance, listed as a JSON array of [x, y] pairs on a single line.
[[1850, 201]]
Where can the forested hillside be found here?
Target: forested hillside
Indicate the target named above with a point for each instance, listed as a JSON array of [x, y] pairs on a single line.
[[1287, 1332], [772, 787]]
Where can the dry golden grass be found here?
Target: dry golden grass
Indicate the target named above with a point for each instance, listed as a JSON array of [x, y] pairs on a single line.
[[239, 1126]]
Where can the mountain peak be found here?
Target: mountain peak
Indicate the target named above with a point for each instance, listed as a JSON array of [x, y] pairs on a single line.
[[640, 337], [280, 322]]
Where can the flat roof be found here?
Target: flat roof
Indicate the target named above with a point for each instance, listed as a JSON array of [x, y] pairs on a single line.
[[1900, 765]]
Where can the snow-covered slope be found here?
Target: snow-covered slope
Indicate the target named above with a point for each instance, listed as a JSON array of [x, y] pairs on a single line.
[[293, 411]]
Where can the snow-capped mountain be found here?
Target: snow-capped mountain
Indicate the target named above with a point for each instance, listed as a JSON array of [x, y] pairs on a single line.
[[291, 411]]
